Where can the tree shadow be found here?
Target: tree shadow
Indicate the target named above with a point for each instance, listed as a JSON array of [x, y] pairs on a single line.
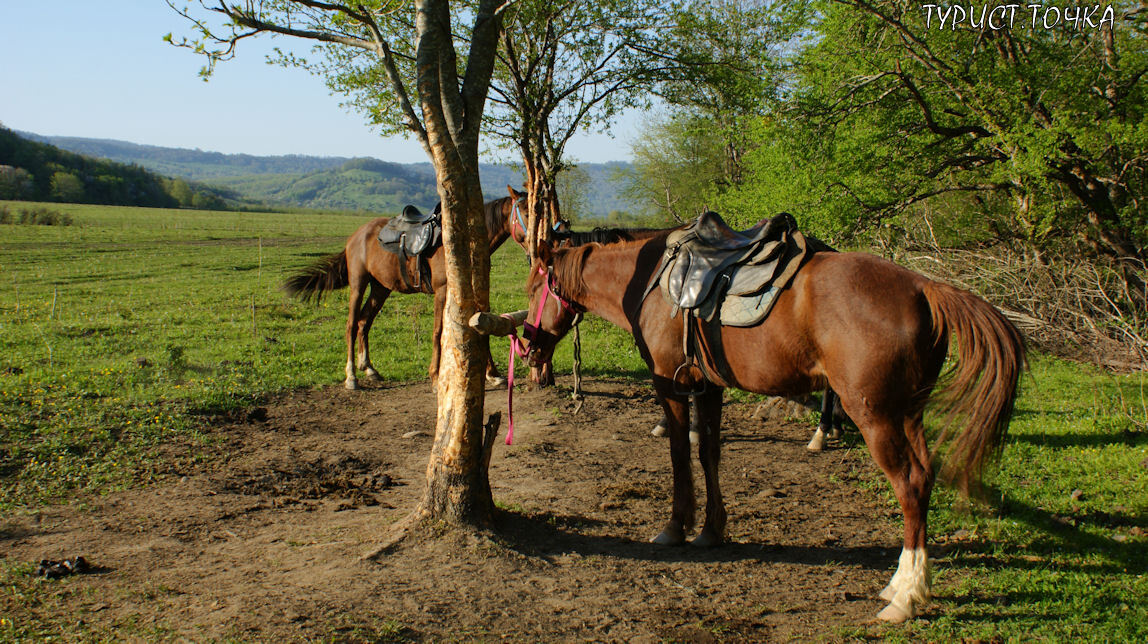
[[1065, 536], [1059, 441]]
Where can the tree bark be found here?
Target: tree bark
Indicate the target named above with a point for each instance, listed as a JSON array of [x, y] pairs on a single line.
[[458, 490]]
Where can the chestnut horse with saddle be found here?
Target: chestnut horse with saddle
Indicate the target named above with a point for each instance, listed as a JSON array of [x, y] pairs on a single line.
[[876, 333], [363, 262]]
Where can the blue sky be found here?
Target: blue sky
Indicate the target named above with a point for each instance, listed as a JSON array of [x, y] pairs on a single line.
[[100, 68]]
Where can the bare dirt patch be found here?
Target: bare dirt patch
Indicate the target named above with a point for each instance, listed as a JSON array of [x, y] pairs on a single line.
[[265, 541]]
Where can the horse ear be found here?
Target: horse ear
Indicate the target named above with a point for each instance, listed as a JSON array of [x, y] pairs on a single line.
[[544, 253], [511, 191]]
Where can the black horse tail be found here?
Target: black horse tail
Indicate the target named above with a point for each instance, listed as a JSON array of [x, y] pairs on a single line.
[[327, 274], [981, 388]]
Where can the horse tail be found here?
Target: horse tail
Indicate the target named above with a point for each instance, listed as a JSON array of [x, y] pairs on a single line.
[[980, 388], [327, 274]]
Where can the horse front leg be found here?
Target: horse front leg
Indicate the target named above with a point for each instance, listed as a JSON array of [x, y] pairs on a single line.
[[677, 412], [708, 420], [358, 284], [436, 338], [493, 378], [827, 425], [371, 309], [660, 430]]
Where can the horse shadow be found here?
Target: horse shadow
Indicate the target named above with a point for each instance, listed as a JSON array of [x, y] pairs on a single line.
[[547, 535]]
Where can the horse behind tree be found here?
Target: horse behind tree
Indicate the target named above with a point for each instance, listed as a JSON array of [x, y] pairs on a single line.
[[363, 263]]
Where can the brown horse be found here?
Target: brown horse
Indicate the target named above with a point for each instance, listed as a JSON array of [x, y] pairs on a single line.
[[878, 334], [828, 427], [363, 262]]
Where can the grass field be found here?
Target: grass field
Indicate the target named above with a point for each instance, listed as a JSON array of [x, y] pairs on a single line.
[[131, 327]]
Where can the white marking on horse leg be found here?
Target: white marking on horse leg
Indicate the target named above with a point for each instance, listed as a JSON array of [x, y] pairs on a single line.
[[658, 430], [350, 382], [817, 443], [695, 438], [910, 587]]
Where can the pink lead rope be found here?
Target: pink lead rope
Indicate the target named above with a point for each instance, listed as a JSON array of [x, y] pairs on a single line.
[[517, 346]]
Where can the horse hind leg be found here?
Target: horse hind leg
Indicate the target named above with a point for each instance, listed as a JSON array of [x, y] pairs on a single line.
[[901, 453], [827, 427], [370, 309]]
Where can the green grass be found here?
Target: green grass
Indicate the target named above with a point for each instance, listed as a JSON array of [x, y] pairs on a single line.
[[1038, 562], [131, 327], [128, 328], [83, 306]]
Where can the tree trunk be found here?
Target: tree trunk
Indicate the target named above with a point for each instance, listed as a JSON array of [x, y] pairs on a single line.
[[543, 211], [458, 490]]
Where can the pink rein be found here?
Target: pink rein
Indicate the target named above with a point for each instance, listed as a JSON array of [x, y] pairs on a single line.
[[523, 350]]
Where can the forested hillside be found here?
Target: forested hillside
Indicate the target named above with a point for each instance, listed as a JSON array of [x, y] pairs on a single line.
[[38, 171], [340, 182]]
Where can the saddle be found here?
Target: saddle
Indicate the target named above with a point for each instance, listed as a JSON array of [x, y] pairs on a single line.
[[715, 272], [412, 234]]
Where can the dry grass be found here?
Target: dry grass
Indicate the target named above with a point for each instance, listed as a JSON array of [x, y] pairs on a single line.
[[1072, 308]]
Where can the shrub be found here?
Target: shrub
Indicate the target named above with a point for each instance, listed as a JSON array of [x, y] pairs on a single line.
[[38, 217]]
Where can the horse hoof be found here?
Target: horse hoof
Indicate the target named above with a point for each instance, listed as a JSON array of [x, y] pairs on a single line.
[[494, 382], [351, 384], [707, 539], [660, 430], [372, 377], [670, 537], [816, 444], [894, 614]]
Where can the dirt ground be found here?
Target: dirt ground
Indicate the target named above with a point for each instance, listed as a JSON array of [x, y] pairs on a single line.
[[265, 541]]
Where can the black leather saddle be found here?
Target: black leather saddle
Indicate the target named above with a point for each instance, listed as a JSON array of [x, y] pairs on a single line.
[[714, 236], [412, 234], [707, 259]]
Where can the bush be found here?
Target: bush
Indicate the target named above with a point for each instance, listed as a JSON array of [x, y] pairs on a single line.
[[37, 217]]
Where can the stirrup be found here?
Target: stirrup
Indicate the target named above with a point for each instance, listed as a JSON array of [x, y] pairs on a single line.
[[688, 364]]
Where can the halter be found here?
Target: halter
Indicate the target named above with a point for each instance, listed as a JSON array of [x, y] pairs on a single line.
[[523, 350], [517, 219]]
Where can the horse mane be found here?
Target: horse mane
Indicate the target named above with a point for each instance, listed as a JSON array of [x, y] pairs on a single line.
[[603, 235], [492, 212], [569, 264], [599, 235]]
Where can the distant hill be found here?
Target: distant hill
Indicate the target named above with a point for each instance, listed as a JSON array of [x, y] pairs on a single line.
[[325, 182], [38, 171]]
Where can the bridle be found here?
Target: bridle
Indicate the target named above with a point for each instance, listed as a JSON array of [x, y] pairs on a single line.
[[532, 331], [517, 219]]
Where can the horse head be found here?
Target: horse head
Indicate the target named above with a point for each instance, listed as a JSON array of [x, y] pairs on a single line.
[[551, 312], [513, 215]]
